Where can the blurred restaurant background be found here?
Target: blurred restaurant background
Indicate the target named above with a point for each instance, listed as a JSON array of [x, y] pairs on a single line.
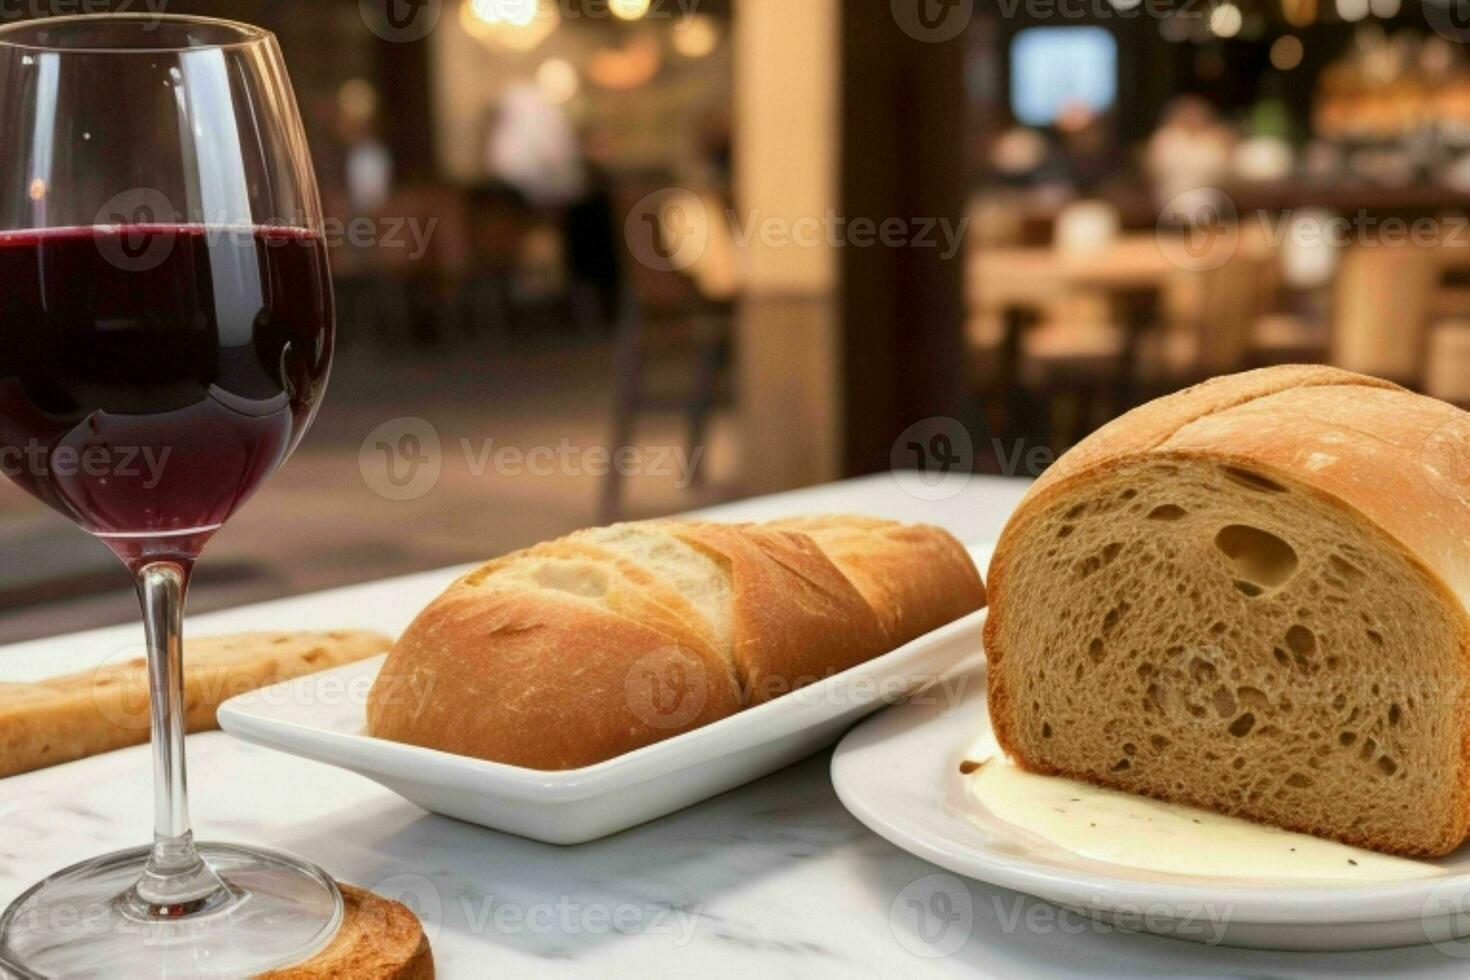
[[610, 259]]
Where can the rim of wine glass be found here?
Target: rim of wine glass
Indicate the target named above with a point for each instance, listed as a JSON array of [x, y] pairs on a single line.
[[249, 33]]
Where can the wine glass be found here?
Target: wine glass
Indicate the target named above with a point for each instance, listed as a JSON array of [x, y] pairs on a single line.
[[166, 326]]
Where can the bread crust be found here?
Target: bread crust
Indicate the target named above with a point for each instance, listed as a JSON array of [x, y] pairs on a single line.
[[914, 575], [1361, 443], [795, 618], [378, 940], [66, 718], [571, 652], [544, 681]]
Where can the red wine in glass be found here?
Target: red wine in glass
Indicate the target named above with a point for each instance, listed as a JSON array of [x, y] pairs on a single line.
[[152, 377], [165, 334]]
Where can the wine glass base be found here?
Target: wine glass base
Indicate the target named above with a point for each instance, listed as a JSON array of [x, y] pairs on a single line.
[[280, 911]]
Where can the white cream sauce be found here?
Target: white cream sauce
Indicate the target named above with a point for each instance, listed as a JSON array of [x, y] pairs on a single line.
[[1149, 835]]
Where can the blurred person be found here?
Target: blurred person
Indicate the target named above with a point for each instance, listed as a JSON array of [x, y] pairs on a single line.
[[533, 148], [367, 163], [1192, 148]]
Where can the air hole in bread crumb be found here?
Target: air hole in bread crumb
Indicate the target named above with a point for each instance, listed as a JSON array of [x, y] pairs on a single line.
[[1159, 742], [1394, 713], [1201, 671], [1298, 780], [1369, 749], [1077, 511], [1261, 559], [1254, 481], [1242, 726], [1250, 589], [1065, 532], [1153, 699], [1376, 637], [1121, 764], [1301, 640], [1387, 766], [1129, 494], [1239, 763], [1096, 650], [1253, 698], [1046, 729], [1166, 512], [1224, 702], [1281, 657], [1129, 748], [1347, 738]]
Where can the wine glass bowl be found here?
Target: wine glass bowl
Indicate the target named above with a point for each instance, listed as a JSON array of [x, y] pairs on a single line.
[[166, 329]]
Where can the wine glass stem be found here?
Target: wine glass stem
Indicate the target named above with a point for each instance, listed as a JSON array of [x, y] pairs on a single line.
[[176, 882]]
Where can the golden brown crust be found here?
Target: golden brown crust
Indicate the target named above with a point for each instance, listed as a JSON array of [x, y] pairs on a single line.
[[378, 940], [918, 577], [66, 718], [574, 651], [796, 619], [544, 680], [1365, 444]]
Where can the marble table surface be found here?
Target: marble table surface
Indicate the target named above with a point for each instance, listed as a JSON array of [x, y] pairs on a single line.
[[772, 879]]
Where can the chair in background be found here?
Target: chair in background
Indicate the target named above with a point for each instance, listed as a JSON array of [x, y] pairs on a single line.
[[1448, 373], [1381, 311], [682, 320], [497, 225], [1295, 327], [407, 279], [1073, 360]]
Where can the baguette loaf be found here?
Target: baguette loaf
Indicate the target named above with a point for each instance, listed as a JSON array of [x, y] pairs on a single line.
[[582, 649], [1250, 596], [66, 718]]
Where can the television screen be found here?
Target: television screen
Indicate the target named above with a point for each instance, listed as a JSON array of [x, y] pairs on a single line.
[[1057, 68]]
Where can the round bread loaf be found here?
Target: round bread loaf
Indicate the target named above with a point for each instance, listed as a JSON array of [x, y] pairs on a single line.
[[1250, 596]]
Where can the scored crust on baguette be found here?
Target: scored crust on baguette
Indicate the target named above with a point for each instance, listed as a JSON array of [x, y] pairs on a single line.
[[578, 650], [1249, 597]]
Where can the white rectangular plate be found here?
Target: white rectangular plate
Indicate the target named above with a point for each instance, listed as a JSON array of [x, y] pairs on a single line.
[[323, 717]]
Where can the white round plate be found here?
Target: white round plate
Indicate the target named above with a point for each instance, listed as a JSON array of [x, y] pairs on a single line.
[[898, 772]]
